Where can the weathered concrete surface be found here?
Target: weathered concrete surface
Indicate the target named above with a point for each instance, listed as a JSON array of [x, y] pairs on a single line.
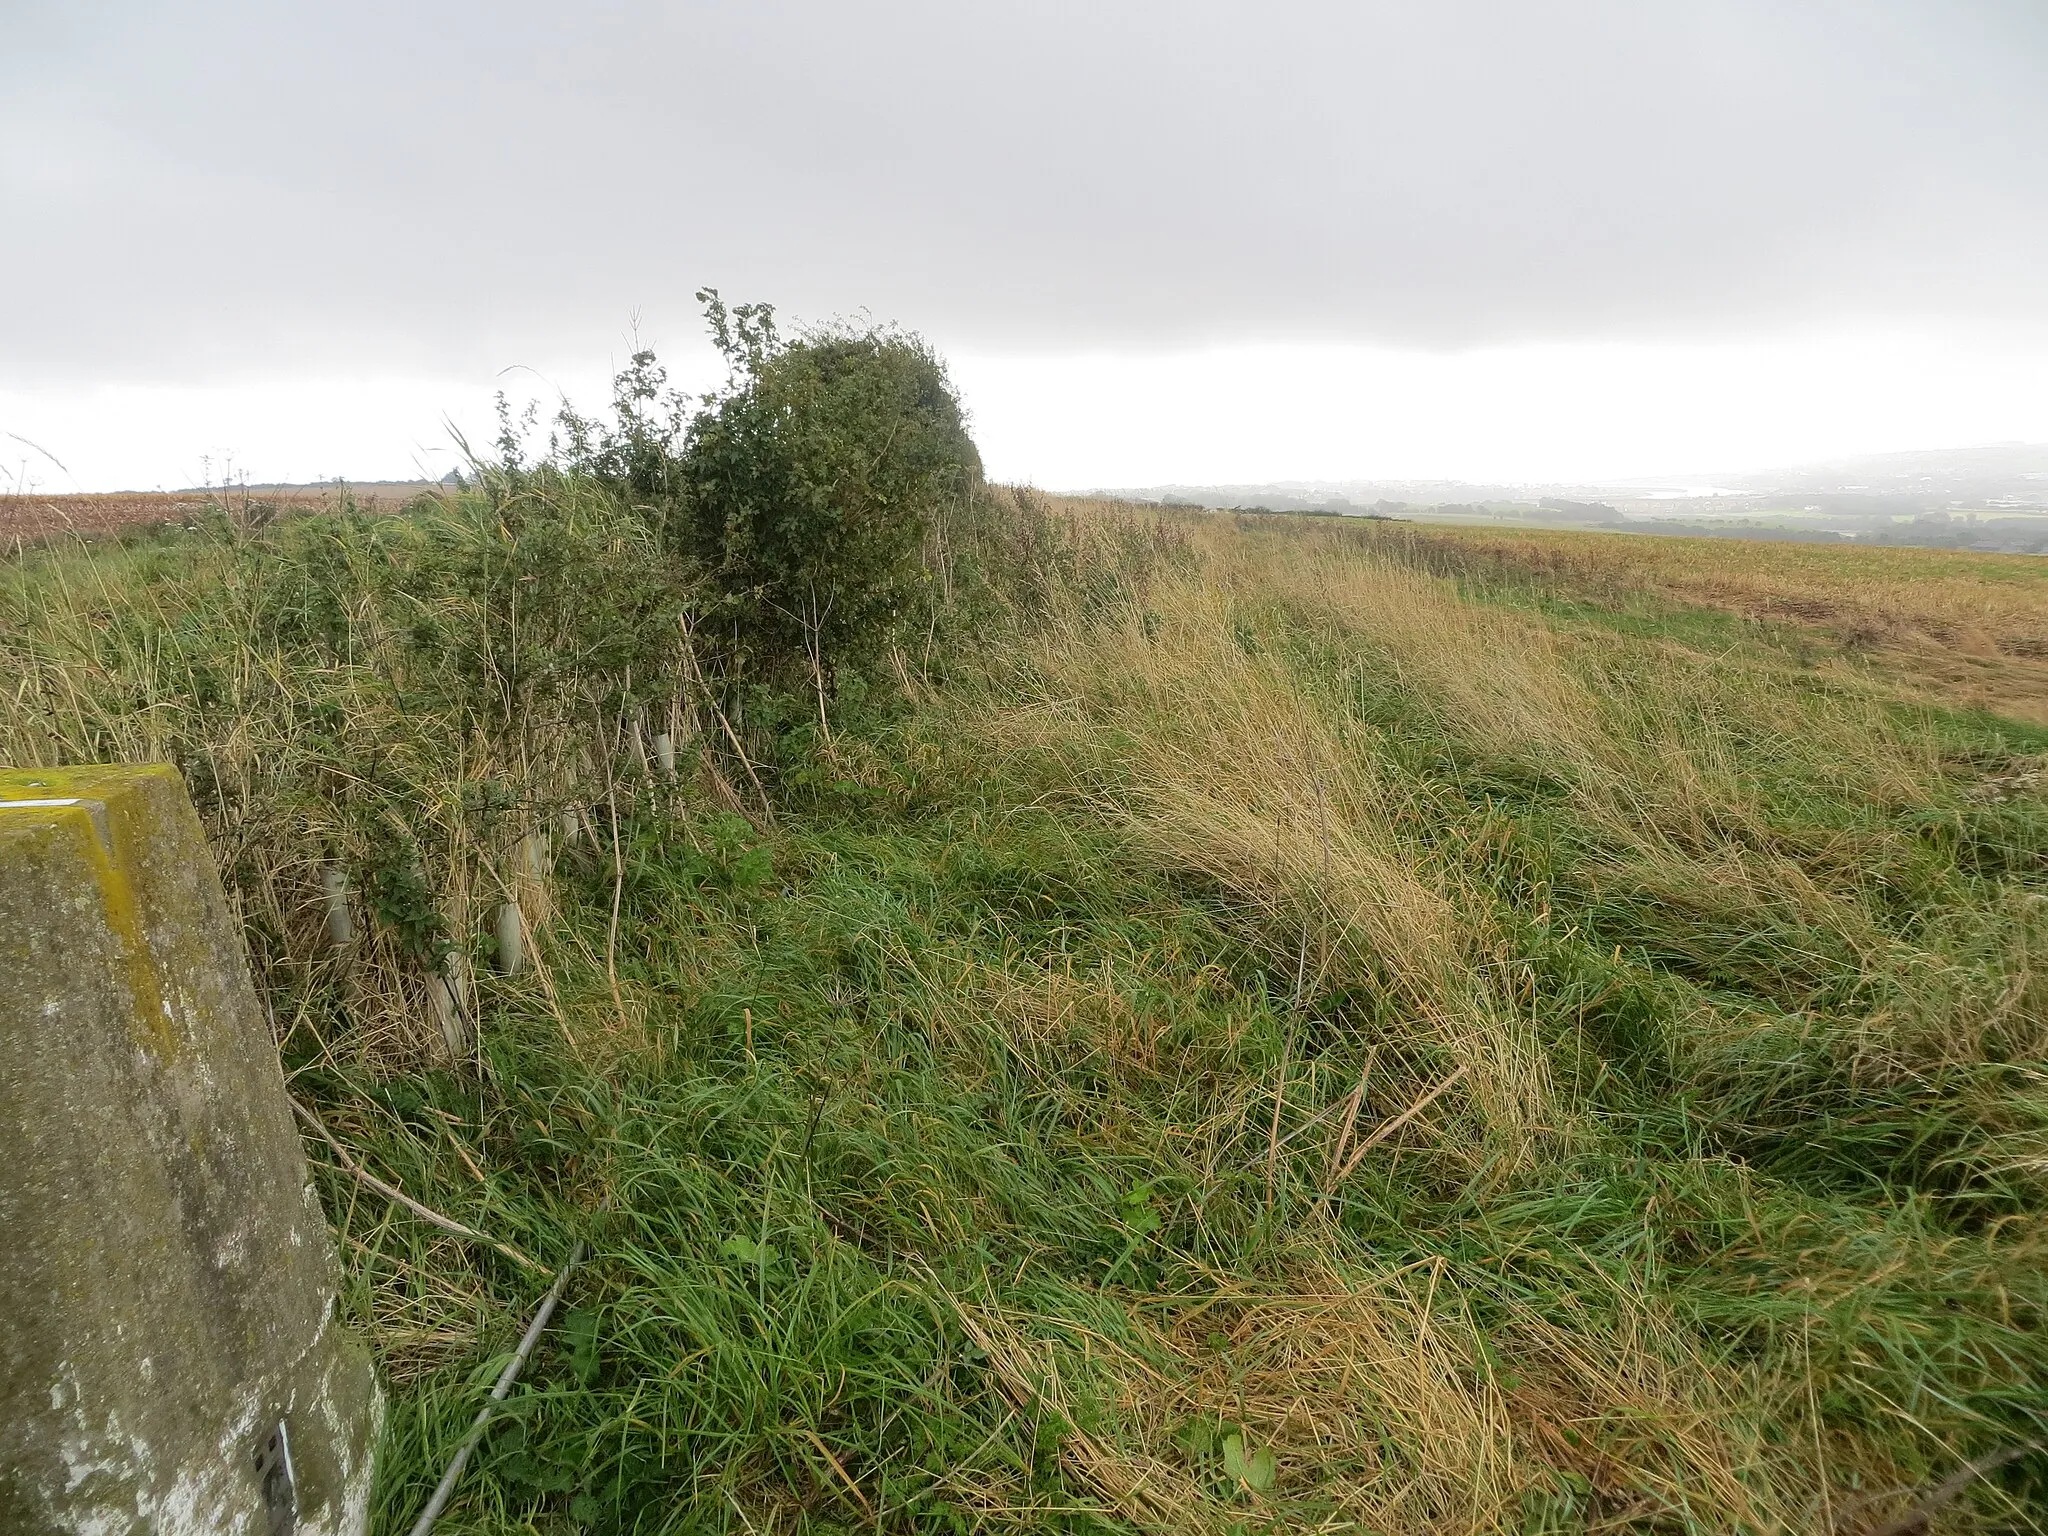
[[166, 1282]]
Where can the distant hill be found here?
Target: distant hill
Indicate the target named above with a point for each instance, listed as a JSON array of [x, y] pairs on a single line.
[[1992, 498]]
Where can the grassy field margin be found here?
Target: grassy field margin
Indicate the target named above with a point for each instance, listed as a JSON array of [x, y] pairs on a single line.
[[1248, 1024]]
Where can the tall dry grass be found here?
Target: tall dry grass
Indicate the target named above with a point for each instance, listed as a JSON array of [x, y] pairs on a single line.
[[1177, 725], [1673, 761], [1232, 722], [1398, 1399], [428, 707]]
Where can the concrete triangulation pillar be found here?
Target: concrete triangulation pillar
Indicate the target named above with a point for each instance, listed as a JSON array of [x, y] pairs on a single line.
[[170, 1360]]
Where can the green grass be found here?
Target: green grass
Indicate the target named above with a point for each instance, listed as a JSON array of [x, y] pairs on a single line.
[[954, 1145]]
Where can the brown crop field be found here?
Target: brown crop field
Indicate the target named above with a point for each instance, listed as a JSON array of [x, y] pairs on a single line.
[[33, 518]]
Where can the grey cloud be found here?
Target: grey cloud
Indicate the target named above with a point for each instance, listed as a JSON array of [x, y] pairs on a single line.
[[205, 189]]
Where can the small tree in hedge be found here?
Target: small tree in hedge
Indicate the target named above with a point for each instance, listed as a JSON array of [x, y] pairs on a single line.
[[807, 486], [636, 452]]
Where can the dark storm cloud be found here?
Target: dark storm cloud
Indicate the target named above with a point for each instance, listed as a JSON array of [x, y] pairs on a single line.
[[190, 189]]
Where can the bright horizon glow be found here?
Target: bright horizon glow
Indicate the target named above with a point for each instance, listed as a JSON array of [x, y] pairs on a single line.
[[1545, 413], [1581, 413]]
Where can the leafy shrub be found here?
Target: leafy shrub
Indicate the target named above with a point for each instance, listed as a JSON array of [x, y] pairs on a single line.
[[803, 492], [424, 702]]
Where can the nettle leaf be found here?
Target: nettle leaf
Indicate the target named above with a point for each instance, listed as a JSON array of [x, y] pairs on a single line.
[[747, 1251], [1263, 1469], [1257, 1470], [537, 1471], [1198, 1437], [752, 869], [579, 1330], [1137, 1211]]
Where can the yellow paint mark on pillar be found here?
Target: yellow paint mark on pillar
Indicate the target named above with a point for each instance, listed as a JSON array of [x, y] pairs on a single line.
[[98, 807]]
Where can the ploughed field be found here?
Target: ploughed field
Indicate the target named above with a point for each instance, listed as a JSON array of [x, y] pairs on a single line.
[[1238, 1025], [35, 519]]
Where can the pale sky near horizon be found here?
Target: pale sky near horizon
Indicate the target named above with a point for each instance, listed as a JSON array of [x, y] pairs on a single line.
[[1193, 242]]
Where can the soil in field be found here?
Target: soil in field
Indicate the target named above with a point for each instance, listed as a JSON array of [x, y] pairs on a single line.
[[33, 518]]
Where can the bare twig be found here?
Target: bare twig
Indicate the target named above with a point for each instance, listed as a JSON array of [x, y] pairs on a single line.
[[393, 1193], [720, 783], [1949, 1489]]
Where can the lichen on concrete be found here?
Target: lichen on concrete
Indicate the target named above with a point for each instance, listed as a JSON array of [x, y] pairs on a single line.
[[166, 1280]]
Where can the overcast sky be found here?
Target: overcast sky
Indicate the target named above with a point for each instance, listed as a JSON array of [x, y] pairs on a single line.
[[1159, 242]]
